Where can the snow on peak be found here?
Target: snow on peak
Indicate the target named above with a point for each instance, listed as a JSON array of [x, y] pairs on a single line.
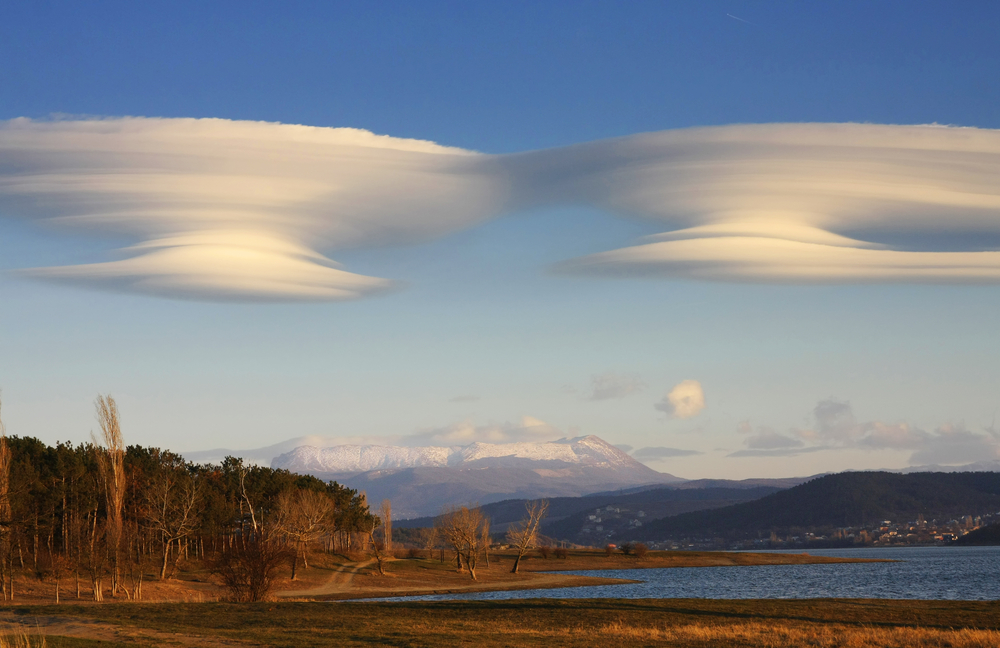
[[588, 450]]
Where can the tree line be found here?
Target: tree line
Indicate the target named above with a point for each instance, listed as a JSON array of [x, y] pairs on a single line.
[[105, 515]]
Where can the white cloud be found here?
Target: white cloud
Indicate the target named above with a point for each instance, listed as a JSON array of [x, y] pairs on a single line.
[[465, 432], [236, 210], [685, 400], [788, 202], [611, 385], [248, 210]]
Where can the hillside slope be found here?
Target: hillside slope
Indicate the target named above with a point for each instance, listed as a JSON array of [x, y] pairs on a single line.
[[841, 500]]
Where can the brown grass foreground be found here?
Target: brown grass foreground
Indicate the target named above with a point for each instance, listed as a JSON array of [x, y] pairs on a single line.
[[822, 623]]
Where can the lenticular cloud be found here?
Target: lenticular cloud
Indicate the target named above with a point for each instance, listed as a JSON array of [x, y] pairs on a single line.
[[235, 210], [248, 211]]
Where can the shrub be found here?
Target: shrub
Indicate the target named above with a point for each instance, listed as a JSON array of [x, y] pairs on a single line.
[[545, 551], [561, 553], [627, 548], [413, 552], [640, 550], [249, 567], [609, 550]]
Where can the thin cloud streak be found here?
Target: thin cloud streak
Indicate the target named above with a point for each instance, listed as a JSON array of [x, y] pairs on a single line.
[[226, 210]]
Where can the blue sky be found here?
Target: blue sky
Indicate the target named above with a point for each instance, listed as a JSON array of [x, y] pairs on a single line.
[[481, 330]]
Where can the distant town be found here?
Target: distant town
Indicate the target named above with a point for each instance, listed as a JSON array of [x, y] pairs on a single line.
[[611, 524]]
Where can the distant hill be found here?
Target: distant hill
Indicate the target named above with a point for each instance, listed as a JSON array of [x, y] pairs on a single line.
[[841, 500], [569, 517]]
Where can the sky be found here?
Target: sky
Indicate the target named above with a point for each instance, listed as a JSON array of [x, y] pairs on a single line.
[[739, 239]]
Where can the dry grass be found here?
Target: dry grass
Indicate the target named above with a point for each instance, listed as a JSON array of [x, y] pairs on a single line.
[[19, 638], [687, 623], [769, 635]]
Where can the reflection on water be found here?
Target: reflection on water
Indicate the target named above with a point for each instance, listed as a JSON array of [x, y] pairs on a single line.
[[962, 573]]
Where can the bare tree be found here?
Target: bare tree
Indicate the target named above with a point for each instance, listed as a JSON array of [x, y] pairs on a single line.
[[463, 528], [171, 501], [524, 535], [378, 549], [136, 559], [385, 514], [428, 540], [246, 497], [487, 540], [249, 566], [302, 517], [112, 462]]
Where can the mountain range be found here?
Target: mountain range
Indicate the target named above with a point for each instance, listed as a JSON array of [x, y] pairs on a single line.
[[420, 480]]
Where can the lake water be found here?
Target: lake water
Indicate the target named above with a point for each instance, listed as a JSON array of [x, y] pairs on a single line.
[[954, 573]]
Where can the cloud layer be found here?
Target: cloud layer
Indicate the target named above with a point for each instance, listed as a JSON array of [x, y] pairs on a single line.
[[248, 210], [527, 429], [836, 428]]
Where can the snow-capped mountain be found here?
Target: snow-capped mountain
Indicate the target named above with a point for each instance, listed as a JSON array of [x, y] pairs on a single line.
[[588, 450], [421, 480]]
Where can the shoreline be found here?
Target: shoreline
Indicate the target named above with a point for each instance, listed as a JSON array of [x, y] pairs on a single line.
[[551, 575]]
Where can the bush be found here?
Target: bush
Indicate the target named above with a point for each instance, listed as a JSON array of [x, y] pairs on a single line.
[[249, 567], [545, 551], [609, 550], [640, 550], [561, 553], [627, 548], [413, 552]]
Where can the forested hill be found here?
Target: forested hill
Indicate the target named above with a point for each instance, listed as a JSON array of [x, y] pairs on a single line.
[[853, 499]]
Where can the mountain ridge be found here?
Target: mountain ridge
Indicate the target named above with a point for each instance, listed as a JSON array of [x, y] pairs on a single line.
[[421, 481], [343, 459]]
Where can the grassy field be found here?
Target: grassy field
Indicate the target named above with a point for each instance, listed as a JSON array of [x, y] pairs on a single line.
[[597, 622]]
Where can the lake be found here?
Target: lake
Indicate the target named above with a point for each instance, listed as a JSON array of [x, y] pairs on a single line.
[[950, 573]]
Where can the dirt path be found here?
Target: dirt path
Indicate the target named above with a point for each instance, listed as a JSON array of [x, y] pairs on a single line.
[[50, 626], [335, 585]]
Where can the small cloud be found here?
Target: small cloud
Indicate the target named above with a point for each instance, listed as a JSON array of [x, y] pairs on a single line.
[[611, 385], [467, 398], [660, 453], [685, 400], [835, 421]]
